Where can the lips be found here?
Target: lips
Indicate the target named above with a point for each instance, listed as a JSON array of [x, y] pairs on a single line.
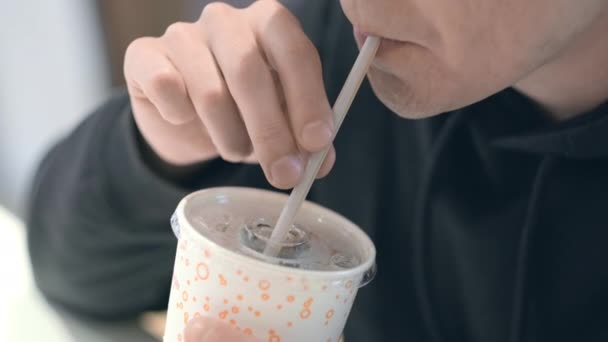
[[386, 44], [360, 37]]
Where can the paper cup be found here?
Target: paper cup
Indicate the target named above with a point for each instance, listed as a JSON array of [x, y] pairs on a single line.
[[264, 300]]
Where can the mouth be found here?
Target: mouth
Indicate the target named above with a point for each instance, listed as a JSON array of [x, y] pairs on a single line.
[[386, 44], [382, 61]]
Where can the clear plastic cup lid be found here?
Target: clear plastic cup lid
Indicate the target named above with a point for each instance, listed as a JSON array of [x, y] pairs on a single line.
[[241, 220]]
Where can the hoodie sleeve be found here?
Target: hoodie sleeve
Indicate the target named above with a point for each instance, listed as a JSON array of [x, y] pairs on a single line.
[[98, 223]]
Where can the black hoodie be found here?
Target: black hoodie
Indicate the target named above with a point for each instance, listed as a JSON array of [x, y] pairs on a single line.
[[491, 223]]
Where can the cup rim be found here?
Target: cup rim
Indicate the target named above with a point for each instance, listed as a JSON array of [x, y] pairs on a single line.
[[361, 269]]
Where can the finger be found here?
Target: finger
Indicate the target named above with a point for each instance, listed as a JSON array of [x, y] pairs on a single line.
[[150, 74], [297, 62], [176, 144], [208, 92], [251, 159], [195, 330], [330, 159], [210, 330], [328, 163], [250, 82]]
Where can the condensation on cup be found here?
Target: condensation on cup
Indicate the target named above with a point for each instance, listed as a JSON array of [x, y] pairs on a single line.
[[304, 294]]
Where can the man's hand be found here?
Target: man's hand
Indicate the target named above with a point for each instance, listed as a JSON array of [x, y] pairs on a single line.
[[209, 330], [237, 84]]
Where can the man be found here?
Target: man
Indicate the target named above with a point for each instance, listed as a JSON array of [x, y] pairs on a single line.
[[489, 220]]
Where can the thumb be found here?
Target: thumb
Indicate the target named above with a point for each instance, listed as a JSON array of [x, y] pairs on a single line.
[[210, 330], [195, 330]]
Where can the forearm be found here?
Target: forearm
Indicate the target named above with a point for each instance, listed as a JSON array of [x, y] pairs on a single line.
[[98, 225]]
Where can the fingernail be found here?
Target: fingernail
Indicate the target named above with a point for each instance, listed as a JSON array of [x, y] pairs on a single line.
[[317, 135], [287, 170]]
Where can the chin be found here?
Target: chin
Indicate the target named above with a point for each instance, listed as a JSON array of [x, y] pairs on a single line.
[[403, 98]]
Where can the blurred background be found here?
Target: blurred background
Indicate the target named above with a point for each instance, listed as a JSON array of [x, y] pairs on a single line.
[[59, 60]]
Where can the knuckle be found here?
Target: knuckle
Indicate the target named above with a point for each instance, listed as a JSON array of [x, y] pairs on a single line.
[[303, 50], [271, 134], [215, 10], [283, 15], [247, 68], [275, 10], [163, 79], [176, 30], [212, 96], [136, 47]]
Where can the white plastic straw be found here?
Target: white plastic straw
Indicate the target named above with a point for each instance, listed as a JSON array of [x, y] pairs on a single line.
[[341, 107]]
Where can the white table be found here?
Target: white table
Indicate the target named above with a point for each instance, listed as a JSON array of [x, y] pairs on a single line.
[[24, 314]]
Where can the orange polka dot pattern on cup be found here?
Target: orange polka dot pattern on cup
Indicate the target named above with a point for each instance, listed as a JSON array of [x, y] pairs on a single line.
[[272, 307]]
